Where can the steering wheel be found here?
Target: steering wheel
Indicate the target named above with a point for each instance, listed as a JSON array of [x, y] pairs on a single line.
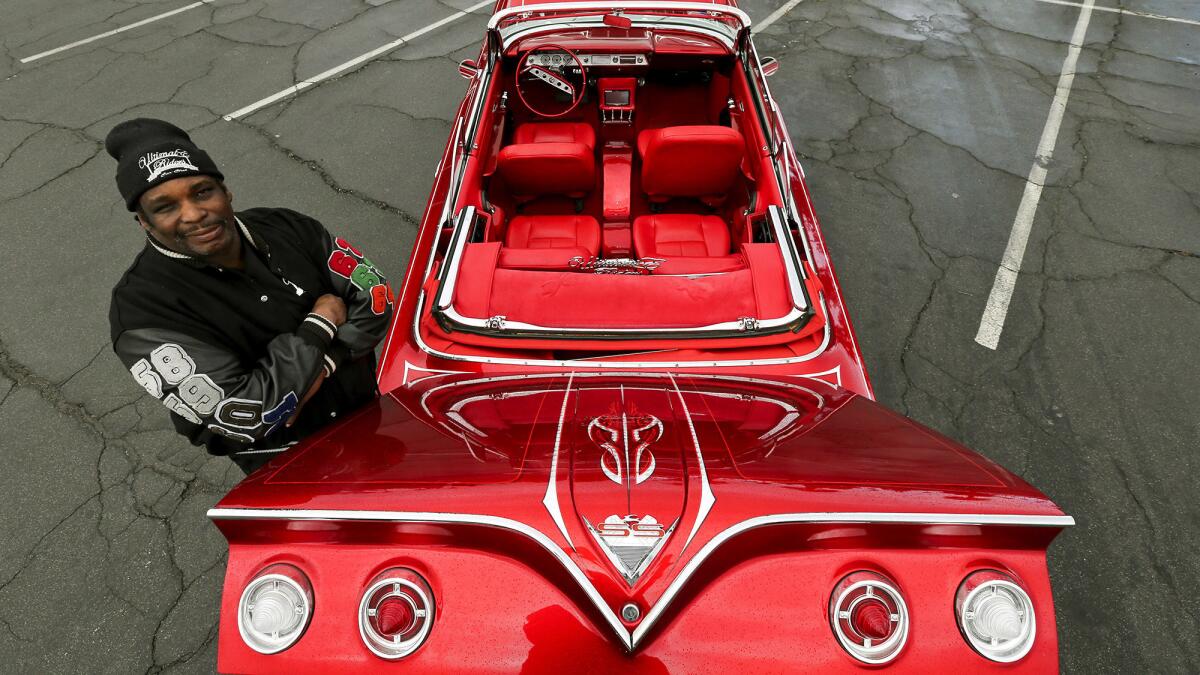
[[551, 78]]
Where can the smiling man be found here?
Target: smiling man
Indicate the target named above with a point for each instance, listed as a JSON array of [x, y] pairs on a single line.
[[253, 328]]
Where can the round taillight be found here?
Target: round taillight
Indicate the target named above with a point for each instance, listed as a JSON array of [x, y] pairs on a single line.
[[869, 617], [396, 613], [995, 615], [275, 608]]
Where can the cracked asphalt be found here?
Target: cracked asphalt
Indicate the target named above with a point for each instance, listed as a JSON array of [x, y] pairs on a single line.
[[917, 122]]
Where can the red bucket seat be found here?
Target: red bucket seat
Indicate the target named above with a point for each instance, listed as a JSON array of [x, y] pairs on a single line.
[[553, 158], [700, 162]]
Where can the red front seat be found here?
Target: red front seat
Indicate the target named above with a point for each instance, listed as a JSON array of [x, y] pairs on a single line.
[[693, 161], [549, 158], [700, 162], [553, 158]]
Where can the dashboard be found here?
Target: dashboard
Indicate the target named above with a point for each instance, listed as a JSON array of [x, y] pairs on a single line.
[[558, 59]]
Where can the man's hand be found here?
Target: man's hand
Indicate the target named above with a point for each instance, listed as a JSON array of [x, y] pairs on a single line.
[[330, 307], [311, 390]]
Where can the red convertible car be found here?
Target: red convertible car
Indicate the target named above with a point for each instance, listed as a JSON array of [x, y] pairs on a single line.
[[625, 424]]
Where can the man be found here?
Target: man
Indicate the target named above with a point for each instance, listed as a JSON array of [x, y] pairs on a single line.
[[253, 328]]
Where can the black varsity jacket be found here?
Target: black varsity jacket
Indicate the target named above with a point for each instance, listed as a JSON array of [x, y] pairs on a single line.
[[232, 352]]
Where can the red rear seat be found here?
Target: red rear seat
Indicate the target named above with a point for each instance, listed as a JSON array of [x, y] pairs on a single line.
[[680, 235], [573, 231]]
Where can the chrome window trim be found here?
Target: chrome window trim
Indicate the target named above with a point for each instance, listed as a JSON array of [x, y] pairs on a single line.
[[558, 363], [631, 640], [742, 17], [444, 308]]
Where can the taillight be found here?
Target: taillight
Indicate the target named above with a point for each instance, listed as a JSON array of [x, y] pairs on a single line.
[[995, 615], [396, 613], [869, 617], [275, 608]]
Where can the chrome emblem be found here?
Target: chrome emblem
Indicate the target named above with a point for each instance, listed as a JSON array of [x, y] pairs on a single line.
[[623, 463], [630, 542]]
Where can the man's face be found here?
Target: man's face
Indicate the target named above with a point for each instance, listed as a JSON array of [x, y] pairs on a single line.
[[191, 215]]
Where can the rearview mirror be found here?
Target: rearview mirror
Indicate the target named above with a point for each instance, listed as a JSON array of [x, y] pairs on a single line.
[[617, 21], [468, 68], [770, 66]]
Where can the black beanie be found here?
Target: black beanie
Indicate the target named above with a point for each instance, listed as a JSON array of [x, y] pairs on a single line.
[[149, 152]]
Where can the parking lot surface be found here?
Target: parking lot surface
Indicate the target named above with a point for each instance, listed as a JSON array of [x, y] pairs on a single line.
[[925, 131]]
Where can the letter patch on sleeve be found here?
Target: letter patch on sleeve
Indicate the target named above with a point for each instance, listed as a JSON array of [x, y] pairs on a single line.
[[279, 414], [145, 376], [172, 363]]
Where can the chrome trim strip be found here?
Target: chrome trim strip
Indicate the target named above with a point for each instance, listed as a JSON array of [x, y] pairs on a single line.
[[631, 641], [706, 494], [736, 13], [680, 23], [423, 346], [483, 325], [550, 501], [465, 221]]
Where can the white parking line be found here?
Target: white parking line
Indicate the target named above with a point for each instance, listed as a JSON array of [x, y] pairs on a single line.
[[774, 16], [111, 33], [992, 323], [305, 84], [1127, 12]]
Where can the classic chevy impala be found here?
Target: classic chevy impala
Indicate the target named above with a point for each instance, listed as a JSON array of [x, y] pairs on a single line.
[[625, 424]]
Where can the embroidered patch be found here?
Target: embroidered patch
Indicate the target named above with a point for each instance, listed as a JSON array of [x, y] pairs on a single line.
[[159, 164], [145, 376], [279, 414], [381, 297], [240, 413], [348, 262], [201, 393], [180, 408], [342, 264], [173, 363], [347, 246]]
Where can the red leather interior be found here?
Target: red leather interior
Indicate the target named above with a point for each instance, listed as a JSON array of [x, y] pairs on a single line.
[[565, 232], [705, 265], [689, 161], [681, 234], [576, 299], [555, 132], [540, 258], [534, 169]]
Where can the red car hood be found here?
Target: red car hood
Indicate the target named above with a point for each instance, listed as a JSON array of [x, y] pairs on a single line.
[[632, 480]]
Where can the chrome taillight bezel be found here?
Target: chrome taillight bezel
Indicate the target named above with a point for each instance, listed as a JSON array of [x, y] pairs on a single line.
[[853, 588], [411, 588], [281, 578], [973, 590]]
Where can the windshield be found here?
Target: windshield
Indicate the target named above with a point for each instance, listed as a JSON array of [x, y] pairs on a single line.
[[722, 22]]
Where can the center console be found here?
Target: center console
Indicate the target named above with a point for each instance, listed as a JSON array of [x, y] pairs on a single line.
[[617, 100]]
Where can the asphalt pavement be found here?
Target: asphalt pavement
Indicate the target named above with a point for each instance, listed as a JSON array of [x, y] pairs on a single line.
[[922, 126]]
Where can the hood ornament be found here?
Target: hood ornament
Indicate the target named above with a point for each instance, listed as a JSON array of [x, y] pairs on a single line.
[[631, 543]]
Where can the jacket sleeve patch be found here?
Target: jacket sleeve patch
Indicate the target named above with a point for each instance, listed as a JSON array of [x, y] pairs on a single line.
[[201, 393], [240, 413], [145, 376], [172, 363], [180, 408], [279, 414], [381, 297]]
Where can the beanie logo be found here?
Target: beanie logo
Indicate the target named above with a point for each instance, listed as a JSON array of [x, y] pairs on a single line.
[[159, 164]]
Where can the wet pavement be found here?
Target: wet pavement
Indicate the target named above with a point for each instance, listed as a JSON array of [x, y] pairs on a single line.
[[918, 124]]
